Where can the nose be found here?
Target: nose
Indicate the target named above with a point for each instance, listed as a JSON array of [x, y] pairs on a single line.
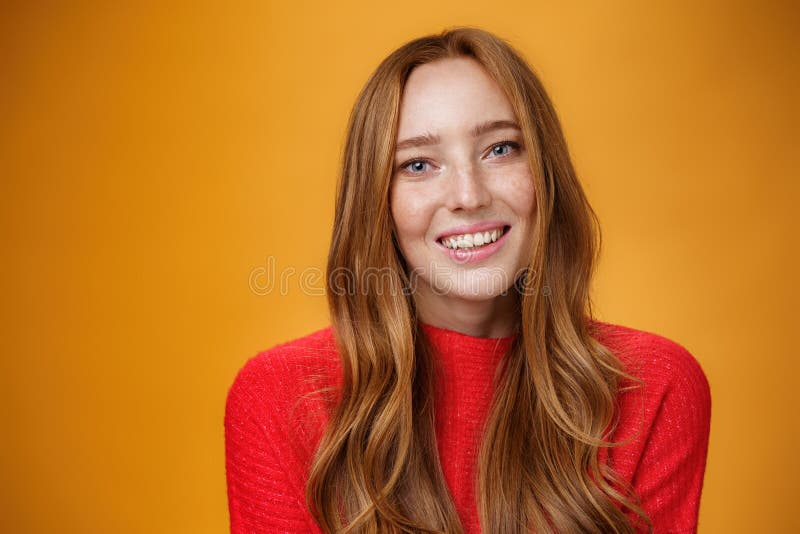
[[467, 189]]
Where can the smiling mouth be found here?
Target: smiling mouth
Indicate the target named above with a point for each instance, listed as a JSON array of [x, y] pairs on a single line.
[[473, 240]]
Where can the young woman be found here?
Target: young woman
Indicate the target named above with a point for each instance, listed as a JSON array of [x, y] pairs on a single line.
[[463, 385]]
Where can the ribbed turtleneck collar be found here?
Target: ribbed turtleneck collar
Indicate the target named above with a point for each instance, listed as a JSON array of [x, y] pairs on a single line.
[[466, 357]]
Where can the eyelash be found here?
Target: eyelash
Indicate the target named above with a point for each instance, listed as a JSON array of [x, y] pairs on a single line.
[[514, 145]]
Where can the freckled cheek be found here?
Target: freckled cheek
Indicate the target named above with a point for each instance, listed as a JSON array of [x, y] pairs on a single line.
[[517, 190], [412, 213], [525, 203]]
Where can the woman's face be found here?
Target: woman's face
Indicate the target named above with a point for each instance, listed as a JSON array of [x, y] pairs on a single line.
[[462, 196]]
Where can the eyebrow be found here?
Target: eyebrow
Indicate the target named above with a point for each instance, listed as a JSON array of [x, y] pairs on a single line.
[[482, 128]]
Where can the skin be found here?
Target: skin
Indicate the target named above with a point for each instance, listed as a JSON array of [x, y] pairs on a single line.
[[461, 180]]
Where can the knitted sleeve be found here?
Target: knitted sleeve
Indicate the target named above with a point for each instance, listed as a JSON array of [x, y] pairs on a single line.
[[264, 493], [668, 457]]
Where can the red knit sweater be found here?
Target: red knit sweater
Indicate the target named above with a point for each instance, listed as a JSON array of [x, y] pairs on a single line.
[[269, 446]]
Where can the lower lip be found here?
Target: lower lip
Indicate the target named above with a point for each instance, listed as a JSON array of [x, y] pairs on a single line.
[[473, 255]]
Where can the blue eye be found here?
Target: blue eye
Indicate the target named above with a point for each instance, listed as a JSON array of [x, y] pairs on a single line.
[[415, 167], [507, 144], [418, 167]]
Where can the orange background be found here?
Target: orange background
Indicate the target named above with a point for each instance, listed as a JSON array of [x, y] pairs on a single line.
[[152, 158]]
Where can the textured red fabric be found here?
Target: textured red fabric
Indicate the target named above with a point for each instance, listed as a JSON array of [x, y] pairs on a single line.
[[273, 424]]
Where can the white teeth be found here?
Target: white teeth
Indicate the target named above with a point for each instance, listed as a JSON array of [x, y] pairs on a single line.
[[472, 240]]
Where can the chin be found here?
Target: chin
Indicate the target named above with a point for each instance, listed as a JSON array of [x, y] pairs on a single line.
[[481, 290], [477, 297]]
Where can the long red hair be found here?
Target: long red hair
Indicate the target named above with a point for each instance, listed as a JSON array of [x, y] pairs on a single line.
[[377, 467]]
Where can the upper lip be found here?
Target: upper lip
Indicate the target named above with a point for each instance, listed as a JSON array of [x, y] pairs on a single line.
[[472, 228]]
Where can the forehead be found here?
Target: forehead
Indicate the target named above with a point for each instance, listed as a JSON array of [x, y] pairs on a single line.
[[450, 94]]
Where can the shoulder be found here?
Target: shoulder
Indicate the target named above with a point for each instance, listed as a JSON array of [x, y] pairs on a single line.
[[663, 424], [668, 392], [668, 396], [272, 426], [271, 386], [286, 361], [660, 362], [318, 345]]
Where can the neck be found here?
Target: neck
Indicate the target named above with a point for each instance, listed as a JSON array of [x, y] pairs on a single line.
[[493, 318]]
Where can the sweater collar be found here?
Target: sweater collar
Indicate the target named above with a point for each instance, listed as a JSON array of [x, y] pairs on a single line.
[[464, 355]]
